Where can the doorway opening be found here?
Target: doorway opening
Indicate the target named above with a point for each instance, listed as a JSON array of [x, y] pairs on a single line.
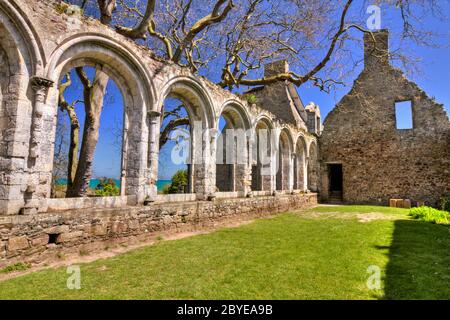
[[336, 182]]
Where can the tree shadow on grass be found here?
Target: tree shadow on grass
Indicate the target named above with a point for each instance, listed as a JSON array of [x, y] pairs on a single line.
[[419, 261]]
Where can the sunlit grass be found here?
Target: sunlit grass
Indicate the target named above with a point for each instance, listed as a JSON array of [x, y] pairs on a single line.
[[292, 256]]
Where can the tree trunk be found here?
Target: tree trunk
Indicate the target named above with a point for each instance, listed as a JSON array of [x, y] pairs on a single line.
[[73, 147], [94, 95], [93, 98]]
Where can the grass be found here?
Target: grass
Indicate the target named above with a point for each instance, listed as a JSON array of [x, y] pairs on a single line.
[[20, 266], [323, 253]]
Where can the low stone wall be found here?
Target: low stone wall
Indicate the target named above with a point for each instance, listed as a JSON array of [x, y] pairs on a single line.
[[48, 236]]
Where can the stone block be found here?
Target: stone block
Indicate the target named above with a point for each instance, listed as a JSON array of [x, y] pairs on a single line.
[[420, 203], [70, 236], [134, 224], [17, 243], [406, 204], [57, 229], [98, 230], [119, 227], [396, 203], [41, 240]]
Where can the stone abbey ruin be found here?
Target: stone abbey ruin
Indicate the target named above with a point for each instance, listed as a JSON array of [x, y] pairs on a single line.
[[357, 156]]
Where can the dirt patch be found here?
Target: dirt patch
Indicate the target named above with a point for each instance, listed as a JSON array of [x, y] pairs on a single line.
[[325, 215], [372, 216], [361, 217]]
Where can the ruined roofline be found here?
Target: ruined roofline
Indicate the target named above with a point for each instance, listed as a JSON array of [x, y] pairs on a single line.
[[399, 73], [298, 102], [368, 68]]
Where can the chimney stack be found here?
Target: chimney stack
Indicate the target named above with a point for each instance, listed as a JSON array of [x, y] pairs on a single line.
[[276, 67], [376, 48]]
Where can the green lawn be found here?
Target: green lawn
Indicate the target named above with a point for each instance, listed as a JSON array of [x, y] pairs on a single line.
[[323, 253]]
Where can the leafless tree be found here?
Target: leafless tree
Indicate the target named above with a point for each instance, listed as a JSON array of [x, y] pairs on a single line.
[[80, 170], [229, 41]]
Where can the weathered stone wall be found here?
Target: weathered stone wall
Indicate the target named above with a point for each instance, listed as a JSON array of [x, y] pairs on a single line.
[[379, 161], [39, 43], [49, 236], [42, 43]]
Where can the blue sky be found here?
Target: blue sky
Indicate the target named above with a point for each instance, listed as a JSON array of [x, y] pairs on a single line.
[[433, 74], [107, 158], [433, 77], [434, 80]]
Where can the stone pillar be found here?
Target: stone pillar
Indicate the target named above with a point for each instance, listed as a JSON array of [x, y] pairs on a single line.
[[203, 161], [376, 49], [209, 163], [307, 178], [153, 152], [214, 139], [40, 86], [305, 173], [38, 176], [273, 171], [291, 172], [243, 172]]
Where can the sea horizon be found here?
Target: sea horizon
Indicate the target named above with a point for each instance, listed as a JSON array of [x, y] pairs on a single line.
[[160, 184]]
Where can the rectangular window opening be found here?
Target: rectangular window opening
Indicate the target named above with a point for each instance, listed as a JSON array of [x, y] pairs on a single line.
[[53, 238], [403, 115]]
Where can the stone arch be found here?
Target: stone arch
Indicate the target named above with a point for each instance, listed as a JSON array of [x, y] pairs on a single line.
[[232, 151], [240, 112], [284, 160], [263, 119], [200, 108], [263, 153], [21, 61], [4, 81], [198, 101], [313, 167], [300, 157], [134, 83], [16, 24]]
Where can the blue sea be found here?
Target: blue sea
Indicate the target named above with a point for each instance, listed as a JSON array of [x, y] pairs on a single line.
[[94, 183], [162, 183]]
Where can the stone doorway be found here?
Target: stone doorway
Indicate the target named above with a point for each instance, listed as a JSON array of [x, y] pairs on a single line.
[[335, 182]]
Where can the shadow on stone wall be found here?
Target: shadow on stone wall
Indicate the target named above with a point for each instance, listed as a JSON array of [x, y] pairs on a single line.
[[419, 261]]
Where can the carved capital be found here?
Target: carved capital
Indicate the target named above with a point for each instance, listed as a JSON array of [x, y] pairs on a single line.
[[40, 86], [154, 114], [38, 83]]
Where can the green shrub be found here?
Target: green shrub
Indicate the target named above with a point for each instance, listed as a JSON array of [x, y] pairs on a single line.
[[166, 189], [445, 203], [179, 182], [61, 7], [20, 266], [251, 98], [430, 215], [107, 188]]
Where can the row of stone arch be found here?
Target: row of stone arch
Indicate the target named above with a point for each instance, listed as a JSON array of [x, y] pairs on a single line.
[[33, 65]]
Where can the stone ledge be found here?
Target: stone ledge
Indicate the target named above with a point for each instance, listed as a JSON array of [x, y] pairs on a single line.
[[85, 203]]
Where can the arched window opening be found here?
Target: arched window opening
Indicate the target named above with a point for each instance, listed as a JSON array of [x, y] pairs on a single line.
[[283, 164], [175, 154], [313, 168], [300, 165], [231, 152], [262, 155], [89, 136], [225, 156]]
